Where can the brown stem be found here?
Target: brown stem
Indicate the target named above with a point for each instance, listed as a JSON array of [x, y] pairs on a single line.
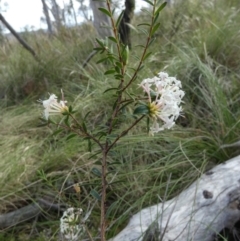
[[125, 132], [103, 198]]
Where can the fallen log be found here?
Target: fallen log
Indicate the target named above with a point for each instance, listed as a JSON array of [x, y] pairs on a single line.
[[28, 212], [199, 213]]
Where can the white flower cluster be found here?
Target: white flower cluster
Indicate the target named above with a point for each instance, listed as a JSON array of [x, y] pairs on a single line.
[[70, 224], [53, 107], [165, 96]]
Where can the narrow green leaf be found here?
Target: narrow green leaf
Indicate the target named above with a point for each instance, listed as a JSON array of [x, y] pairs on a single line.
[[70, 136], [102, 60], [85, 117], [105, 11], [141, 110], [162, 6], [117, 69], [94, 155], [111, 71], [118, 64], [147, 55], [143, 31], [110, 89], [100, 42], [119, 19], [118, 76], [155, 28], [89, 145], [142, 66], [149, 2], [144, 24], [126, 104], [151, 41], [95, 194], [113, 39], [57, 132], [96, 172], [66, 120], [84, 127]]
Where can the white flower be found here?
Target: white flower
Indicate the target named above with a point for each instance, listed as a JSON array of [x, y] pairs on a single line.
[[164, 96], [53, 107], [70, 224]]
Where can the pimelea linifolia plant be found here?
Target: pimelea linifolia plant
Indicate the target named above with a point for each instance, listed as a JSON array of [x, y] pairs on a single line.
[[160, 103]]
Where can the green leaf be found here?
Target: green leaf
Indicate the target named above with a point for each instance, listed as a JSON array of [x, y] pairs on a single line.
[[141, 110], [96, 172], [57, 132], [70, 136], [143, 30], [119, 19], [155, 28], [95, 194], [147, 55], [85, 117], [110, 89], [105, 11], [142, 66], [149, 2], [125, 55], [117, 69], [126, 104], [151, 41], [89, 145], [84, 127], [100, 42], [113, 39], [102, 60], [144, 24], [162, 6], [118, 76], [118, 64], [66, 120], [111, 71]]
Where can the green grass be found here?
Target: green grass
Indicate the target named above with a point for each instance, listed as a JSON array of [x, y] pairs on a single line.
[[198, 43]]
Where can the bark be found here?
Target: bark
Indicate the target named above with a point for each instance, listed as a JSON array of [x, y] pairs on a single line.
[[209, 205], [17, 36], [101, 21], [46, 13], [124, 29], [56, 14]]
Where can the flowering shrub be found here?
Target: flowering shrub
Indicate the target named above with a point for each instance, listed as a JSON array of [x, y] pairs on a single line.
[[162, 106]]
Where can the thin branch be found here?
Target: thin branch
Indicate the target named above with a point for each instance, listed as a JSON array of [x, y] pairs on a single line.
[[17, 36]]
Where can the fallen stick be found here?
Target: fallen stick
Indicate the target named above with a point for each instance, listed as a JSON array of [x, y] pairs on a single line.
[[28, 212], [199, 213]]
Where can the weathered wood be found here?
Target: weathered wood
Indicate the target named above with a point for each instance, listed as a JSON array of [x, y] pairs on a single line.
[[28, 212], [209, 205], [101, 21]]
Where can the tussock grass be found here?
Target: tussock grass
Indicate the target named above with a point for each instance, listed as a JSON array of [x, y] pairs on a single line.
[[202, 51]]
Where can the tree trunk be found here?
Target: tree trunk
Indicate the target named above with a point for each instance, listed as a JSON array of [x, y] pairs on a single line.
[[101, 21], [199, 213], [56, 14], [124, 29], [46, 13]]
